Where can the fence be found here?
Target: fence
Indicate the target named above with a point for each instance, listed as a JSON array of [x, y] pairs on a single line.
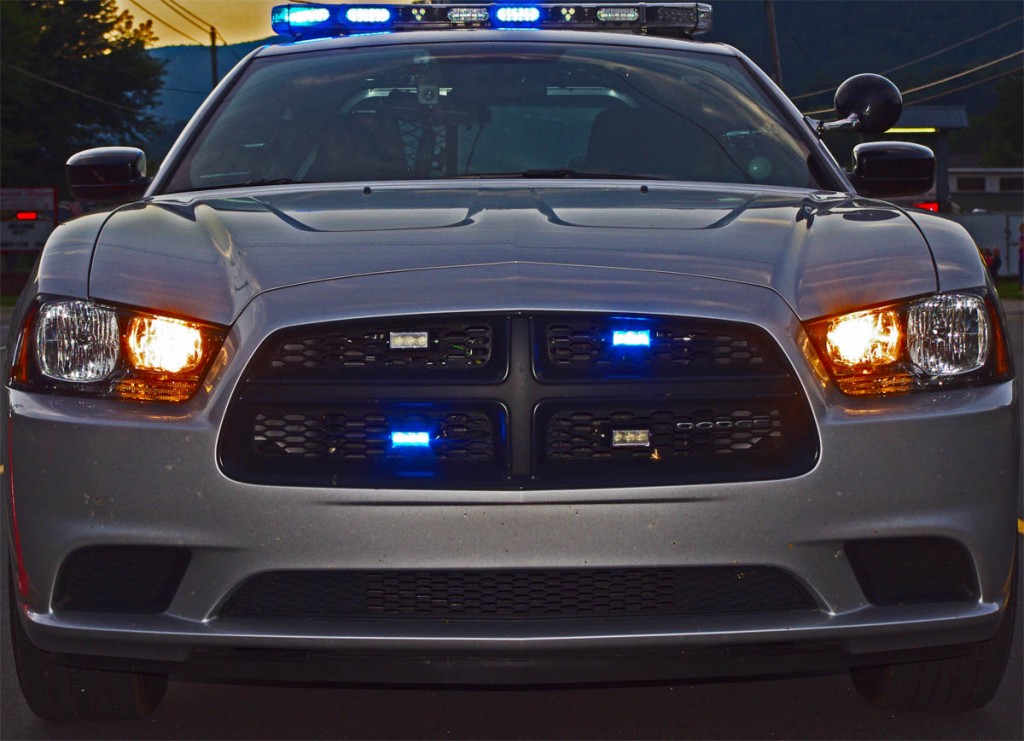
[[995, 230]]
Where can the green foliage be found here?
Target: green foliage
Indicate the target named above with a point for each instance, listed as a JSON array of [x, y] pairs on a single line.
[[90, 47]]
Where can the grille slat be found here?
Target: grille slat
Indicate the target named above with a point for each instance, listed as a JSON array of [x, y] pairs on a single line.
[[517, 594]]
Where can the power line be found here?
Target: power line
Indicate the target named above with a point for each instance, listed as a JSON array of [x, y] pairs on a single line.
[[183, 9], [80, 94], [965, 72], [954, 46], [802, 96], [1005, 73], [194, 23], [958, 75], [158, 18], [200, 23]]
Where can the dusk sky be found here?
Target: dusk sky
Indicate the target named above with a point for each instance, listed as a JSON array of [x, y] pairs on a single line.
[[235, 20]]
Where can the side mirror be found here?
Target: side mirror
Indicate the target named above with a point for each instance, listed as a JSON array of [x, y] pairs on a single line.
[[890, 169], [867, 104], [108, 174]]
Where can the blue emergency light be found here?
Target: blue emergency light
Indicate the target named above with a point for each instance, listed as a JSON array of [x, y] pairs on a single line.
[[631, 337], [323, 20], [410, 439]]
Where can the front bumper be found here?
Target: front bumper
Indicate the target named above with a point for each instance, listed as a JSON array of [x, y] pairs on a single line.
[[95, 473]]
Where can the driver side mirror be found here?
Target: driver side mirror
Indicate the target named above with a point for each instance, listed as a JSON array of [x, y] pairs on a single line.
[[108, 174]]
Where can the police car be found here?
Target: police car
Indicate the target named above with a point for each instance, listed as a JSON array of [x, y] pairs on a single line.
[[505, 344]]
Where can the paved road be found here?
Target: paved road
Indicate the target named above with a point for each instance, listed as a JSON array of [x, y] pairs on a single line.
[[813, 708]]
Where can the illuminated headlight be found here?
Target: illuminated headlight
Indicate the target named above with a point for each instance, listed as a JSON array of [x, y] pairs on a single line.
[[81, 347], [941, 341], [162, 344], [865, 339]]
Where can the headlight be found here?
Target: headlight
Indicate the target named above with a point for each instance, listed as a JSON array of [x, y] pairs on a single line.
[[937, 342], [82, 347]]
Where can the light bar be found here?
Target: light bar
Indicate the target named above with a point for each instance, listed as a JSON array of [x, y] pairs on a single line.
[[409, 340], [367, 15], [631, 338], [618, 15], [469, 15], [323, 20], [631, 438], [513, 14], [410, 439]]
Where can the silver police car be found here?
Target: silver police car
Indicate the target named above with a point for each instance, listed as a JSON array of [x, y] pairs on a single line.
[[507, 344]]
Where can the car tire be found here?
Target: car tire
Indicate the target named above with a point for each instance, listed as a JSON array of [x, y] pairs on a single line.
[[960, 683], [59, 693]]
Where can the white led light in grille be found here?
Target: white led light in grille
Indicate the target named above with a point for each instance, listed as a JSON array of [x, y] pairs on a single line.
[[631, 438], [409, 340]]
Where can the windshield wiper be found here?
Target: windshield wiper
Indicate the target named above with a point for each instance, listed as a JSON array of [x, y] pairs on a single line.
[[562, 173]]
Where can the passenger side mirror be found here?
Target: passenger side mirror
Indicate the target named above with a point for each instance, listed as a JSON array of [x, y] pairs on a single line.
[[108, 174], [890, 169]]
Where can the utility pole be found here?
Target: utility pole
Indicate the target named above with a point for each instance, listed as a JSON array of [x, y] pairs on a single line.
[[769, 11], [213, 56]]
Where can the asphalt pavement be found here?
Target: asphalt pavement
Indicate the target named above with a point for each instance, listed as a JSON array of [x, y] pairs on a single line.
[[811, 707]]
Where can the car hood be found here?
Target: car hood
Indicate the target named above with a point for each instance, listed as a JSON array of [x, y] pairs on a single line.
[[207, 255]]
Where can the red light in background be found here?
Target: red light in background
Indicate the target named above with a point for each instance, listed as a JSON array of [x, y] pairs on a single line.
[[26, 215], [928, 206]]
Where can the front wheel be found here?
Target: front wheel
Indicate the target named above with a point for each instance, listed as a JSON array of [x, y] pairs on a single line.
[[966, 682], [65, 693]]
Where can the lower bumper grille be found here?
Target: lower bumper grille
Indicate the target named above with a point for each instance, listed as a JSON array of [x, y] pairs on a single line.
[[517, 594], [906, 571], [138, 579]]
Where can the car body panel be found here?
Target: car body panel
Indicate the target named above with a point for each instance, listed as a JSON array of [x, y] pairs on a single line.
[[227, 249], [236, 530]]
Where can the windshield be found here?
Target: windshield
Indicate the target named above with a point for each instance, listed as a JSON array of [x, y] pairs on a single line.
[[467, 110]]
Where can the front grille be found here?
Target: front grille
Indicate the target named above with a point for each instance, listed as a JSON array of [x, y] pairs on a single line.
[[350, 443], [458, 348], [137, 579], [364, 434], [518, 402], [517, 594], [583, 347]]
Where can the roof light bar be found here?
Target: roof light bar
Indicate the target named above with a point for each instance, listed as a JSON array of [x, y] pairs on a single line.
[[514, 14], [321, 20]]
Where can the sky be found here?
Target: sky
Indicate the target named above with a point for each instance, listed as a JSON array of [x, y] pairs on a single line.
[[236, 21]]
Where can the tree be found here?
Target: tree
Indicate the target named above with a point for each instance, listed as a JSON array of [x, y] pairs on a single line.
[[1005, 147], [73, 74]]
